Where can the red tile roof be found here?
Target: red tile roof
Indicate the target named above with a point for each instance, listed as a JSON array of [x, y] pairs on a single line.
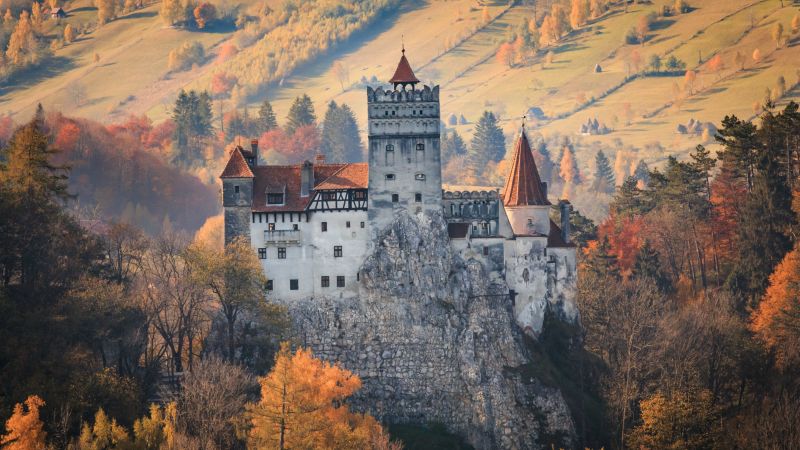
[[237, 167], [351, 176], [523, 185], [403, 73]]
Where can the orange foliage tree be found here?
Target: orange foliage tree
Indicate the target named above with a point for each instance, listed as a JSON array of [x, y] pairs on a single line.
[[302, 406], [716, 65], [777, 319], [24, 427], [505, 54], [624, 236]]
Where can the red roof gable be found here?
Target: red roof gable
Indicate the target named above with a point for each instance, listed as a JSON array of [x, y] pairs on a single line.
[[286, 179], [403, 73], [351, 176], [523, 185], [237, 167]]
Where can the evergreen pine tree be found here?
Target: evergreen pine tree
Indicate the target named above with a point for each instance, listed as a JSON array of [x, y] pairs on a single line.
[[642, 173], [648, 265], [541, 154], [628, 199], [266, 118], [300, 114], [488, 143], [603, 174], [341, 141], [452, 146]]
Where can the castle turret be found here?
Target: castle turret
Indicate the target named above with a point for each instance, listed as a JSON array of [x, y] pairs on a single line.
[[524, 195], [237, 196], [405, 169]]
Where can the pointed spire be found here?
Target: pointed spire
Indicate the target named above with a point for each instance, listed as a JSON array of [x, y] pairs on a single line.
[[403, 74], [523, 185]]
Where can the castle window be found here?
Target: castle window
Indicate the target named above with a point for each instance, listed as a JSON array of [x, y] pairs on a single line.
[[270, 227], [486, 250], [337, 251], [294, 284], [452, 209], [389, 154], [395, 198], [329, 195], [269, 285], [326, 281], [274, 199], [530, 222], [340, 281], [414, 113], [362, 224], [418, 197], [421, 147], [360, 195], [386, 113], [347, 224], [262, 253], [324, 226], [419, 177], [236, 188], [295, 227], [389, 176], [393, 112], [281, 252]]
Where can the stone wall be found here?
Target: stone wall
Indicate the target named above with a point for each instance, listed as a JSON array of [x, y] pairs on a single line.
[[435, 341]]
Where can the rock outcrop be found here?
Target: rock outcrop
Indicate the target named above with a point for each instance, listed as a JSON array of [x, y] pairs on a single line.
[[434, 340]]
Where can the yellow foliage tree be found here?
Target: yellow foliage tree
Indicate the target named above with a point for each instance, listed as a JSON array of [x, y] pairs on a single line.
[[24, 427], [22, 44], [579, 13], [106, 10], [796, 23], [104, 434], [69, 34], [302, 406], [684, 420], [777, 319], [757, 56]]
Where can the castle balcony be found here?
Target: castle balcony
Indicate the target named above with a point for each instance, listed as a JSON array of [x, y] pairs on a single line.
[[282, 237]]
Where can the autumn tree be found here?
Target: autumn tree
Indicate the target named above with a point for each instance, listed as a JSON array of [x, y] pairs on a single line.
[[777, 34], [505, 54], [105, 433], [172, 11], [69, 33], [303, 405], [579, 13], [739, 60], [796, 23], [568, 172], [22, 44], [642, 28], [715, 64], [204, 14], [777, 319], [342, 73], [684, 420], [25, 430], [757, 56], [106, 11], [688, 81], [301, 113], [597, 8]]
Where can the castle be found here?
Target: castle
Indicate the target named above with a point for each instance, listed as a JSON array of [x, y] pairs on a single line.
[[313, 224]]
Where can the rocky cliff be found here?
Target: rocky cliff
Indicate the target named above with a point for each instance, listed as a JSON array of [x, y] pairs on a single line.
[[435, 341]]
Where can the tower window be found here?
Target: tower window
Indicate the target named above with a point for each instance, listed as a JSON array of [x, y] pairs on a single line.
[[393, 112], [270, 227], [295, 227], [324, 226], [347, 224], [337, 251], [262, 253], [340, 281], [421, 147], [326, 281], [390, 176], [419, 177], [294, 284], [395, 198], [386, 113], [485, 250], [362, 224], [269, 285], [281, 252], [236, 188], [418, 197]]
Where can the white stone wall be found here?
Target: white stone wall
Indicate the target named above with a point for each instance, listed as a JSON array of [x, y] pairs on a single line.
[[310, 251], [529, 219]]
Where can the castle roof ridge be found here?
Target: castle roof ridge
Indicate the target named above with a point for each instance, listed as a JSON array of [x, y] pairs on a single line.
[[237, 167], [523, 185]]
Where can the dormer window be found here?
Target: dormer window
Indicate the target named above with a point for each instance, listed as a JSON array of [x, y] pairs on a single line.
[[274, 199]]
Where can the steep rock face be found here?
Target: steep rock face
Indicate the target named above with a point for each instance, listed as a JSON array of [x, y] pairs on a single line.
[[435, 341]]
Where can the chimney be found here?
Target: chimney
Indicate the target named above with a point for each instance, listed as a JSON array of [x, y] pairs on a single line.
[[320, 158], [565, 208], [306, 178], [254, 148]]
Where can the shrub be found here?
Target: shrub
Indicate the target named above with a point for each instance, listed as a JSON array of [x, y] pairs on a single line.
[[183, 57]]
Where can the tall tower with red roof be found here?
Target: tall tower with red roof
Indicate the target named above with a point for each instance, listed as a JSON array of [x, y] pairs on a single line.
[[405, 171]]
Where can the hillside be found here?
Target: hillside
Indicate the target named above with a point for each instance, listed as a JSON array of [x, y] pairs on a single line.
[[454, 43]]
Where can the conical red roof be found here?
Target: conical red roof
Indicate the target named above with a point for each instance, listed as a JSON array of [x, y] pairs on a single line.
[[523, 185], [403, 73], [237, 167]]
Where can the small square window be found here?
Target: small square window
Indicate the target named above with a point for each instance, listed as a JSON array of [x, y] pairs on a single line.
[[362, 224], [390, 176], [337, 251], [270, 227], [340, 281], [269, 285], [347, 224], [294, 284], [418, 197], [281, 252], [326, 281], [395, 198], [389, 148], [485, 250], [262, 253], [360, 195], [420, 147], [324, 226], [295, 227]]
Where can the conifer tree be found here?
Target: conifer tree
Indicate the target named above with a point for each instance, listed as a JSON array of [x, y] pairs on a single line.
[[601, 262], [301, 114], [648, 265], [642, 173], [488, 143], [628, 199], [541, 155], [603, 174], [452, 146], [266, 118], [341, 141], [192, 115]]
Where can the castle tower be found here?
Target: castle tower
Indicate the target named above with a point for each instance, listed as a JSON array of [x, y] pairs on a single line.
[[524, 195], [405, 171], [237, 196]]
